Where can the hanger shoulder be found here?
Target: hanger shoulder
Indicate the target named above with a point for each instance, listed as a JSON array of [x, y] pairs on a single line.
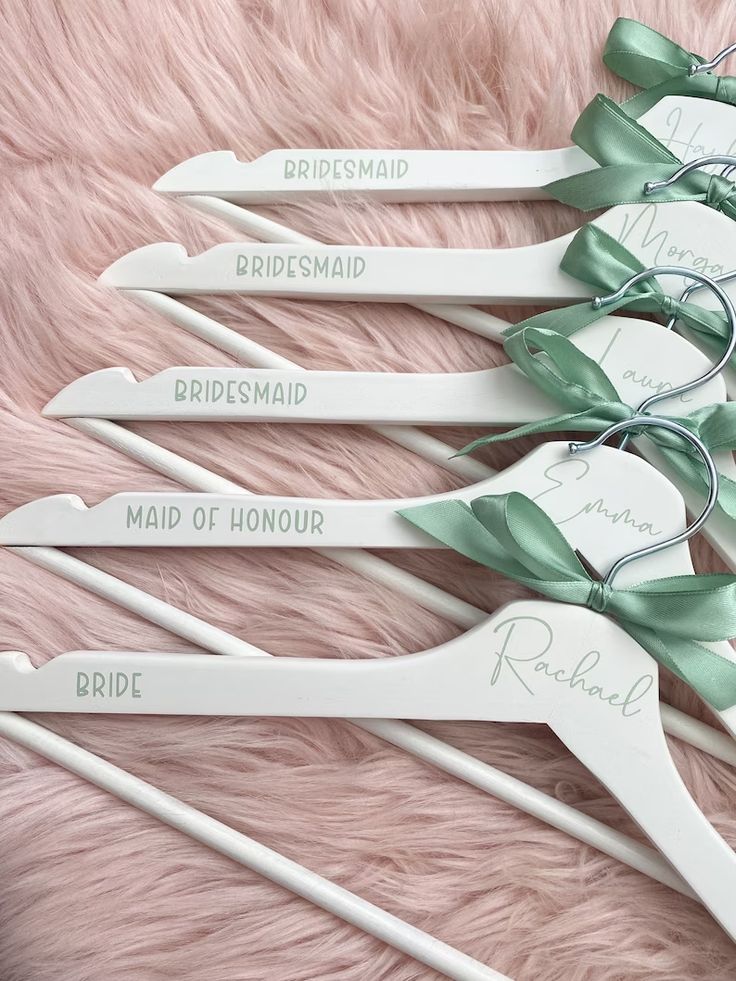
[[636, 766], [690, 127]]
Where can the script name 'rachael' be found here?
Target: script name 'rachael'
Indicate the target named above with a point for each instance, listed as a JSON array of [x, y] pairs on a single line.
[[300, 266]]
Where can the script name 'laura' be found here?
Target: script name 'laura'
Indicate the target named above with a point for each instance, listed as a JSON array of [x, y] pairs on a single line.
[[210, 391], [294, 266]]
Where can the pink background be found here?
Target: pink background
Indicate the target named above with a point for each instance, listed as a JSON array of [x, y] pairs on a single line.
[[96, 101]]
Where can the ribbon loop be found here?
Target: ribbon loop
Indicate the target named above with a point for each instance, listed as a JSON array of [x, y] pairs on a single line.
[[630, 158], [596, 258], [661, 67], [667, 617]]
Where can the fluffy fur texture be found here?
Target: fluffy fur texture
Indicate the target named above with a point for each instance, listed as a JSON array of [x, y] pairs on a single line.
[[96, 101]]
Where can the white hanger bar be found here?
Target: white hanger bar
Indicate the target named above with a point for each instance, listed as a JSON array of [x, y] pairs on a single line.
[[415, 741], [246, 851], [529, 274], [431, 175], [430, 597]]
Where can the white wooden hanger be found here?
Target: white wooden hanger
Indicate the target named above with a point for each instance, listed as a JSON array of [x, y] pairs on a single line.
[[683, 233], [639, 356], [286, 175], [438, 684], [416, 742]]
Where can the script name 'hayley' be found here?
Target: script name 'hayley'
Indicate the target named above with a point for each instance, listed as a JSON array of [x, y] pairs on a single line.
[[345, 168], [685, 138], [342, 266], [524, 659]]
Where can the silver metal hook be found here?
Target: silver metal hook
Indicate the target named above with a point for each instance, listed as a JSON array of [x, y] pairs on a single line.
[[640, 422], [707, 66], [696, 287], [729, 160], [702, 280]]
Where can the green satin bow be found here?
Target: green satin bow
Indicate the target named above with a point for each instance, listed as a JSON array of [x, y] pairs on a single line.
[[592, 404], [629, 157], [596, 258], [667, 617], [651, 61]]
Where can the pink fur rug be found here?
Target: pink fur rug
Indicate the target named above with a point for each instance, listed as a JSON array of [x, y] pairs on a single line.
[[97, 101]]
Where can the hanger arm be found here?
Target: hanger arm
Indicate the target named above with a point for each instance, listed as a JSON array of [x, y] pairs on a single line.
[[643, 770], [687, 125]]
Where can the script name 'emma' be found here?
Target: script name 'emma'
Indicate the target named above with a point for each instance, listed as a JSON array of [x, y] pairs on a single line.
[[345, 168], [295, 266]]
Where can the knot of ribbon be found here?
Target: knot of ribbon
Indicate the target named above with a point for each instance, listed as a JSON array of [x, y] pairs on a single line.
[[671, 618], [597, 259], [599, 595], [591, 403], [630, 157], [721, 194], [661, 67]]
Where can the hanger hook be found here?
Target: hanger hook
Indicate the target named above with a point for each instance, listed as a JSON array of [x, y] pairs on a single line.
[[698, 69], [641, 421], [728, 160], [701, 280], [694, 288]]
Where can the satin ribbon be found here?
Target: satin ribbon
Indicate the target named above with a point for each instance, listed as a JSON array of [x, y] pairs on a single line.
[[667, 617], [592, 404], [651, 61], [629, 156], [596, 258]]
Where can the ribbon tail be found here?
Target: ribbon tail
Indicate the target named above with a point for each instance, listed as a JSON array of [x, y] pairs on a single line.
[[713, 677], [589, 421]]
